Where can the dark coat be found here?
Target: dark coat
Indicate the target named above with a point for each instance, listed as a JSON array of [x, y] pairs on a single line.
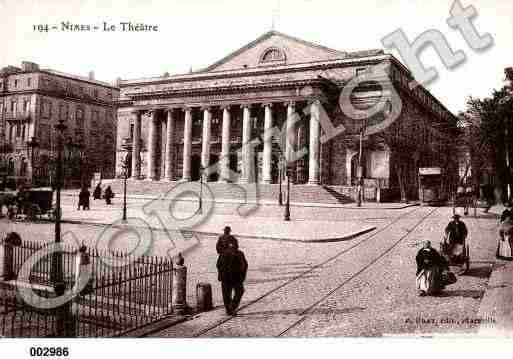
[[83, 197], [97, 194], [458, 232], [108, 193], [232, 266], [225, 241], [506, 214], [426, 259]]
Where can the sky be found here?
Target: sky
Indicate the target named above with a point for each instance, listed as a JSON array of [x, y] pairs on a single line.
[[195, 33]]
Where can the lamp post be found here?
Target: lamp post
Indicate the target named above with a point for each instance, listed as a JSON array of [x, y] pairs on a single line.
[[56, 274], [360, 167], [280, 178], [200, 203], [286, 216], [32, 145], [125, 176]]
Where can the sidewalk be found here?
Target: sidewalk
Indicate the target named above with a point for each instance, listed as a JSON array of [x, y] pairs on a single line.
[[496, 308], [247, 227]]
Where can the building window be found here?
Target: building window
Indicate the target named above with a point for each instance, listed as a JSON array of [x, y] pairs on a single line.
[[272, 54], [29, 82], [95, 93], [26, 105], [79, 116], [13, 106], [15, 83], [131, 131], [361, 71]]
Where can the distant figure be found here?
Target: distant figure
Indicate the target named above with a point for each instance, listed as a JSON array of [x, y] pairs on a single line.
[[430, 266], [232, 268], [83, 199], [109, 195], [97, 193], [454, 237], [507, 213], [226, 240], [469, 198], [505, 245]]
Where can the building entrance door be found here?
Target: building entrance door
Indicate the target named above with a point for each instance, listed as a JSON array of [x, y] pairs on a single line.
[[195, 167]]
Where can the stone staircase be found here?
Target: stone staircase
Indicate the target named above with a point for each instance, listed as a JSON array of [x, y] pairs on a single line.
[[227, 191]]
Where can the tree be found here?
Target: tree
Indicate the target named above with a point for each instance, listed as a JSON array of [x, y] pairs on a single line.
[[491, 118]]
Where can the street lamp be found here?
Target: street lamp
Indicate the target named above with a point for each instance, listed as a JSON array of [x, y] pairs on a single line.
[[200, 203], [32, 145], [64, 324], [125, 166], [360, 167], [286, 217], [280, 178]]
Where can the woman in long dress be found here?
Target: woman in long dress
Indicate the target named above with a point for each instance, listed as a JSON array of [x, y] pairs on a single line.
[[430, 265], [505, 245]]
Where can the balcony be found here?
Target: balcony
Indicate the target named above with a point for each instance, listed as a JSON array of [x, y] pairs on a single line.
[[18, 116]]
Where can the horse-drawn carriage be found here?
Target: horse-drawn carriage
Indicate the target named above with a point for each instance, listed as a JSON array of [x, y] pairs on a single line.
[[31, 204]]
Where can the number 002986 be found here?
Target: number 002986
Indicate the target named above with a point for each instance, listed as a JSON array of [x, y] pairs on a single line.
[[49, 351]]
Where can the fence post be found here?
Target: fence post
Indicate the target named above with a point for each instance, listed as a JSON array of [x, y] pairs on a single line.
[[12, 240], [179, 297]]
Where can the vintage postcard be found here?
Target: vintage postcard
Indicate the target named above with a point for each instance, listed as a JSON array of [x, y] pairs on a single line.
[[238, 169]]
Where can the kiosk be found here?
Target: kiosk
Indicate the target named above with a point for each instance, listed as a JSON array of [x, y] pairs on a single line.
[[430, 186]]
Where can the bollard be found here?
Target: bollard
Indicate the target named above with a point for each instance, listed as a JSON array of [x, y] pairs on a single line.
[[204, 297], [12, 240], [179, 299]]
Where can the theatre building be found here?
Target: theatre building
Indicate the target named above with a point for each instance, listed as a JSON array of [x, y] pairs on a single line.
[[170, 127]]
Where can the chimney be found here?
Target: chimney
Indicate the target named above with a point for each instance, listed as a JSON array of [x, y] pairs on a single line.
[[508, 71], [91, 75], [28, 66]]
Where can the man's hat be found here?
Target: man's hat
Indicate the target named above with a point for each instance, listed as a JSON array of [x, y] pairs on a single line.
[[227, 229], [456, 216]]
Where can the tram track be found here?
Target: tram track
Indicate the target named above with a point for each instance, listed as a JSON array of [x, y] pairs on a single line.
[[323, 263], [305, 313]]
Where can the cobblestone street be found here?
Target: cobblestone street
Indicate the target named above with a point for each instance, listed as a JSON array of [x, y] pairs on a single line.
[[364, 286]]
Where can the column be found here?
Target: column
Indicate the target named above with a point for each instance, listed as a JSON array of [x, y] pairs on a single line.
[[246, 150], [289, 140], [205, 141], [187, 145], [163, 142], [313, 160], [152, 147], [268, 143], [225, 145], [136, 146], [170, 129], [349, 157]]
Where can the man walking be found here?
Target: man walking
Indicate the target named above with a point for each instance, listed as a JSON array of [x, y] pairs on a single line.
[[226, 240], [232, 269]]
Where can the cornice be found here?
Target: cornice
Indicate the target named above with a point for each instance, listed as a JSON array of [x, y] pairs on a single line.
[[58, 95]]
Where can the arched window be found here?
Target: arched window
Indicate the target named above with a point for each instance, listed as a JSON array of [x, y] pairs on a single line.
[[10, 169], [272, 54]]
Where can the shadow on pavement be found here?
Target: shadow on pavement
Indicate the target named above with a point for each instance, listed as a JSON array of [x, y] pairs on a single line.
[[479, 272], [465, 293]]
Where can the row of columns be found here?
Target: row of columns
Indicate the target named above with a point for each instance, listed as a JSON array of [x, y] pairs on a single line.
[[247, 148]]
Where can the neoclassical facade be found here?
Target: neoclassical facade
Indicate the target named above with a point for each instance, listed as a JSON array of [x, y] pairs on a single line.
[[170, 127]]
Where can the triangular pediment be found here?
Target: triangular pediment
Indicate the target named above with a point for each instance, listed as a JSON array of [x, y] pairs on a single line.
[[272, 49]]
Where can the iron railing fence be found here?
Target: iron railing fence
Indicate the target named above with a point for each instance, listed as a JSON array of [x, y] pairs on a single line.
[[123, 292]]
